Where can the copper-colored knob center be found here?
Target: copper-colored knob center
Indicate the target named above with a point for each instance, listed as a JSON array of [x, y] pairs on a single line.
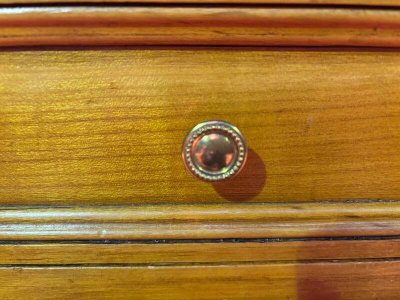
[[214, 150]]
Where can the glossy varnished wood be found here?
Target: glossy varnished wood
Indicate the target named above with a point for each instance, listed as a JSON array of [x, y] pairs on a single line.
[[107, 126], [45, 26], [81, 128], [332, 280]]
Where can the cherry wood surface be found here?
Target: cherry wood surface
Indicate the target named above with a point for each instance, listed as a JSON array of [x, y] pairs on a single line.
[[385, 3], [158, 252], [106, 126], [95, 202], [315, 280], [200, 221], [201, 26]]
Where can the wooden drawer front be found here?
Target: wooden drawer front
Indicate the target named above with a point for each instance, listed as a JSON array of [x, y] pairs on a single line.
[[107, 126], [332, 280], [207, 270]]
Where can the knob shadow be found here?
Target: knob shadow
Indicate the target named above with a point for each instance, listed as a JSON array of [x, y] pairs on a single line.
[[247, 184]]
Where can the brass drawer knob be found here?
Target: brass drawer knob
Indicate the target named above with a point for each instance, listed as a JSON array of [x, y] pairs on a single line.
[[214, 151]]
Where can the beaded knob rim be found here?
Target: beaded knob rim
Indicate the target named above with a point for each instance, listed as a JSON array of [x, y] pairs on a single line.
[[208, 127]]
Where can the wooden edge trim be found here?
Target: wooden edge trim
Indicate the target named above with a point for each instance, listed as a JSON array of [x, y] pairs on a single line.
[[186, 253], [132, 231], [60, 26], [389, 3], [200, 221], [209, 213]]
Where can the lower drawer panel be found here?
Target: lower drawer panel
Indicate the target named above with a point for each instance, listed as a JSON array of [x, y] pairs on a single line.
[[327, 280]]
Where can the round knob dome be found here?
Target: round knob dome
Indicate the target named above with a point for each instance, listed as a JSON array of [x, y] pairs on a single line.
[[214, 150]]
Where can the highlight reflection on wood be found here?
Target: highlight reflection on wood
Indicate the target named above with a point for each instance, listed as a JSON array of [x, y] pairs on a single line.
[[288, 2]]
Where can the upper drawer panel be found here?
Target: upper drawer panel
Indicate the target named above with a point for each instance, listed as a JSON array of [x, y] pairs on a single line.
[[107, 126]]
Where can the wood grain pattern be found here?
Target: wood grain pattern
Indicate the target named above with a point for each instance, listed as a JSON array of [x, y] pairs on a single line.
[[160, 252], [200, 222], [343, 280], [244, 2], [46, 26], [85, 127]]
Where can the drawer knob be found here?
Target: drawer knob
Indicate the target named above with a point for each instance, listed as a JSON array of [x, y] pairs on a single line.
[[214, 151]]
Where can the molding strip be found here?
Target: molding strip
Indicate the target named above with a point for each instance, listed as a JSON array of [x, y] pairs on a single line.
[[200, 221], [223, 26]]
